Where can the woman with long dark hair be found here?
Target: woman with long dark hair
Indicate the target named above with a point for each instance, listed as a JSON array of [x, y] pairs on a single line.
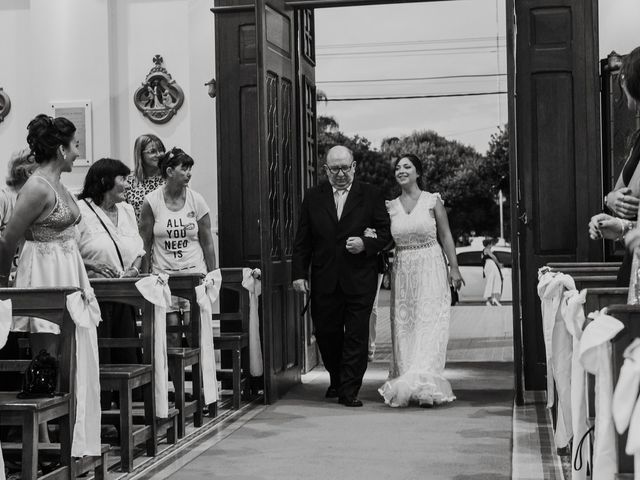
[[420, 292]]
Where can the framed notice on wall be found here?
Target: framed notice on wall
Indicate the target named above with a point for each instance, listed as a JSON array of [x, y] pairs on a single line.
[[78, 113]]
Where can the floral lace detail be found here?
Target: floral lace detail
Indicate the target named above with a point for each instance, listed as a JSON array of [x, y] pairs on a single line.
[[68, 247], [420, 308]]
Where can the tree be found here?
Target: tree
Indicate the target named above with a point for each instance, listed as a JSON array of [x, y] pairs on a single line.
[[457, 172], [496, 171]]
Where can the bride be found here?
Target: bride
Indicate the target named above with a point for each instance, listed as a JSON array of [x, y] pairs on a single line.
[[420, 292]]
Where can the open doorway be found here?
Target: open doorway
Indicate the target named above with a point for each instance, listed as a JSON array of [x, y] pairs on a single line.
[[430, 79]]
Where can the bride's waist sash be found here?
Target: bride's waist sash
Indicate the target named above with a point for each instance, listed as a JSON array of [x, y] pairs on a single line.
[[417, 246]]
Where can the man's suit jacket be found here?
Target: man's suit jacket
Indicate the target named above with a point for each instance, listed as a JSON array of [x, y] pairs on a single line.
[[321, 239]]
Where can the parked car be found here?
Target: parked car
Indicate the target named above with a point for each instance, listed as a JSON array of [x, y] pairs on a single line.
[[470, 263]]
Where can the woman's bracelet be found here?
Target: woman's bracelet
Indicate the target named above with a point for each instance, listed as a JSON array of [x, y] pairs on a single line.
[[625, 227]]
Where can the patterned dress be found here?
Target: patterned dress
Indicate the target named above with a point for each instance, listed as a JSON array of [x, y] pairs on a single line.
[[420, 308], [136, 190]]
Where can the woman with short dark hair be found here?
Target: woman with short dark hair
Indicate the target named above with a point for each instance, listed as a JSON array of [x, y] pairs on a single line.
[[176, 229], [111, 247]]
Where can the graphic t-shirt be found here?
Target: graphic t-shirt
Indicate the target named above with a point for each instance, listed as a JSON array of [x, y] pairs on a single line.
[[176, 246]]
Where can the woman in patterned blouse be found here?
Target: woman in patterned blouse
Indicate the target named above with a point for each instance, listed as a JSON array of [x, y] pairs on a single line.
[[146, 176]]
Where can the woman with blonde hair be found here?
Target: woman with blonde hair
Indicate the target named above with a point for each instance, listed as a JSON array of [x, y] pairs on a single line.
[[145, 177]]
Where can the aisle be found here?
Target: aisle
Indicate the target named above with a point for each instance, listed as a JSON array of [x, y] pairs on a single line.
[[306, 436]]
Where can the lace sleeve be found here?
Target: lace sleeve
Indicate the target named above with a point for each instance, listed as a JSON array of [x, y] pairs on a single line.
[[436, 196]]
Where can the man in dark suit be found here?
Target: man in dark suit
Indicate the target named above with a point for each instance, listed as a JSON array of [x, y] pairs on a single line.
[[330, 240]]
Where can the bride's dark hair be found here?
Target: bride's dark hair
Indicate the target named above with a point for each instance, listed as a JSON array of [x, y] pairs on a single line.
[[416, 163]]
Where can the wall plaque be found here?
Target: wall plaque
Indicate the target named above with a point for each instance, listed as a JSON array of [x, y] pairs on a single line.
[[5, 104], [159, 97]]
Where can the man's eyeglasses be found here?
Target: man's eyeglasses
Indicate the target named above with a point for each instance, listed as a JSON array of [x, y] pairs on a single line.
[[336, 170]]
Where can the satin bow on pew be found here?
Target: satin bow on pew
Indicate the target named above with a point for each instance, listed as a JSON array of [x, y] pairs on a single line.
[[85, 313], [595, 356], [552, 287], [207, 294], [6, 318], [155, 289], [626, 407], [251, 282]]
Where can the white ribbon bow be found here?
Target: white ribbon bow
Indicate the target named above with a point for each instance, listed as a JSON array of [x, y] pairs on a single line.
[[85, 313], [155, 289], [207, 293], [6, 318], [251, 282], [626, 407]]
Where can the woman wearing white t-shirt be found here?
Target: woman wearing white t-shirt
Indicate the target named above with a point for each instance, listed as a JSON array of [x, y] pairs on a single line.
[[176, 228]]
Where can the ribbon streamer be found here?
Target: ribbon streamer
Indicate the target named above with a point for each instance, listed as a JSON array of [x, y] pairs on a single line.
[[6, 318], [626, 407], [85, 313], [155, 289], [251, 282], [207, 293]]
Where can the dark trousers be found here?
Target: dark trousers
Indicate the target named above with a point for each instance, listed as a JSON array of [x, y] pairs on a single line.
[[341, 327]]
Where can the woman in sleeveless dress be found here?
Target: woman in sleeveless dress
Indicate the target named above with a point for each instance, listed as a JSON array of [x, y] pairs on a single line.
[[420, 292], [45, 214]]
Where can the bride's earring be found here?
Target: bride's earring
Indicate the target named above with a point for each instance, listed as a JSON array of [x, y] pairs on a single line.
[[64, 156]]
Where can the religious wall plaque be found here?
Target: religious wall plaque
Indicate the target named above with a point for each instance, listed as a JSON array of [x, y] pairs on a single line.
[[159, 97], [5, 104]]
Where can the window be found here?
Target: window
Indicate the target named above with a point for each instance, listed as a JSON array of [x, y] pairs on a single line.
[[504, 258], [470, 259]]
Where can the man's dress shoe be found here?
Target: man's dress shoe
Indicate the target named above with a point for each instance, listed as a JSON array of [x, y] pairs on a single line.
[[350, 401], [332, 392]]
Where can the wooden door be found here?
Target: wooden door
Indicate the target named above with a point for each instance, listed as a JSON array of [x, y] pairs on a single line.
[[279, 192], [557, 147], [308, 145]]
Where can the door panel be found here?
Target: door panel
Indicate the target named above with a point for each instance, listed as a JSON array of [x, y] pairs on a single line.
[[557, 145], [308, 149], [279, 191]]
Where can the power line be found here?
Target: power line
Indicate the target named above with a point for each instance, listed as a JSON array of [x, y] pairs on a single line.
[[407, 42], [413, 79], [421, 51], [411, 97]]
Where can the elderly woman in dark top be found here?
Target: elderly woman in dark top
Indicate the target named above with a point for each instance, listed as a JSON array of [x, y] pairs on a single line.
[[111, 247]]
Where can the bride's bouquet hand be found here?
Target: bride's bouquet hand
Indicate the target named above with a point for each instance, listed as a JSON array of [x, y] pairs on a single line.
[[370, 233], [455, 279]]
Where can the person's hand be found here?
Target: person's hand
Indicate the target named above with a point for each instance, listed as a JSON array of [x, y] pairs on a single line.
[[130, 272], [604, 226], [455, 279], [355, 245], [102, 270], [623, 204], [370, 233], [301, 285]]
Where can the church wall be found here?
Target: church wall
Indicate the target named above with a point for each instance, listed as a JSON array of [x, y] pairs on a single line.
[[99, 50], [618, 25]]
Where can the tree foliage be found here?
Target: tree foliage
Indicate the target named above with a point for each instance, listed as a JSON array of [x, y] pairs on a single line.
[[468, 181]]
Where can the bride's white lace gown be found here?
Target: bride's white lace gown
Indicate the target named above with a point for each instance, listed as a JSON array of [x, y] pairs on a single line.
[[420, 308]]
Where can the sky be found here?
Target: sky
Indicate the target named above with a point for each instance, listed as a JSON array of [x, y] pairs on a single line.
[[403, 44]]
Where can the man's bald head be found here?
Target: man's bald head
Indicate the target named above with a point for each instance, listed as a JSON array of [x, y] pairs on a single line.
[[339, 155], [340, 167]]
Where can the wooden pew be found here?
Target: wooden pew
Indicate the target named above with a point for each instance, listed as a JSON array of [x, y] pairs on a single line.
[[629, 315], [234, 333], [124, 378], [48, 304], [183, 285], [583, 264]]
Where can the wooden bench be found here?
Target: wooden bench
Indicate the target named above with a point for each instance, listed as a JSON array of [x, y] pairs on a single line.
[[125, 378], [47, 304], [629, 315], [233, 339], [180, 358], [583, 264]]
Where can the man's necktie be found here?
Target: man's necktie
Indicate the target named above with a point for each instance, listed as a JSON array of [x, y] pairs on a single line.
[[340, 197]]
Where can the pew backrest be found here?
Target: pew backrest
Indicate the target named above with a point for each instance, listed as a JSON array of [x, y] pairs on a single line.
[[184, 285]]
